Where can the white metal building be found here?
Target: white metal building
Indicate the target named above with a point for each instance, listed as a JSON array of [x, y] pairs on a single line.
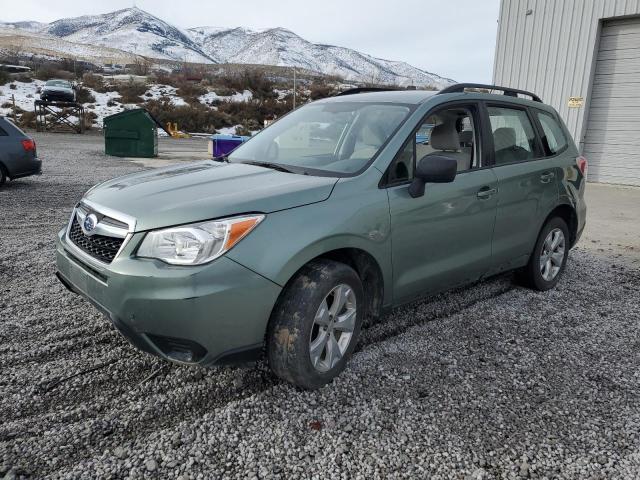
[[582, 57]]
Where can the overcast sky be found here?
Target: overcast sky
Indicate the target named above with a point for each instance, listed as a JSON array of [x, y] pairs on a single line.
[[453, 38]]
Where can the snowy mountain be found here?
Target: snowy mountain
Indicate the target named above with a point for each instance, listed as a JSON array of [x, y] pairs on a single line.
[[282, 47], [27, 26], [136, 31], [132, 30]]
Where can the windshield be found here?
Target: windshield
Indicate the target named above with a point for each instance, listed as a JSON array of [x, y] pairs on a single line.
[[337, 138], [58, 83]]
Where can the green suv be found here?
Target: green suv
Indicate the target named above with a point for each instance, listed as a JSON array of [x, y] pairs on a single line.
[[319, 224]]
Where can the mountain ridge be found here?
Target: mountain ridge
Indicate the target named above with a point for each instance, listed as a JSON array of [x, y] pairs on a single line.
[[136, 31]]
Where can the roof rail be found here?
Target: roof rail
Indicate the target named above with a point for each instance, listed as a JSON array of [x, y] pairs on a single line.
[[353, 91], [508, 91]]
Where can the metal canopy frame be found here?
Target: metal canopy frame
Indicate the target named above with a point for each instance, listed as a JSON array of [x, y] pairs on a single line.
[[60, 114], [510, 92]]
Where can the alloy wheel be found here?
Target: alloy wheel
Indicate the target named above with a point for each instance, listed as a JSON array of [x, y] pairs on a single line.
[[333, 328], [552, 254]]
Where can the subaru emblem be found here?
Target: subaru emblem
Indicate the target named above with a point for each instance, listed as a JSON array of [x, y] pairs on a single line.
[[89, 224]]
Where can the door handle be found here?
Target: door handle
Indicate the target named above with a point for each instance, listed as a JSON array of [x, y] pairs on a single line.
[[546, 177], [485, 192]]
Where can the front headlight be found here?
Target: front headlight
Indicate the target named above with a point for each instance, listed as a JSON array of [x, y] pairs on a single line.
[[197, 243]]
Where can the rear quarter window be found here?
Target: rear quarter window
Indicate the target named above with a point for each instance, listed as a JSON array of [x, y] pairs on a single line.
[[554, 139]]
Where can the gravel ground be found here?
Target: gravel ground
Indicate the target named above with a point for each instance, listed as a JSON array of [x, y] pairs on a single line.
[[491, 381]]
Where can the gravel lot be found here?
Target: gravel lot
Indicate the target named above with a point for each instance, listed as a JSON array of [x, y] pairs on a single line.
[[492, 381]]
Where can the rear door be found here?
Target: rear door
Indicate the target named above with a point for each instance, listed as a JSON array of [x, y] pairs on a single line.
[[442, 238], [527, 186]]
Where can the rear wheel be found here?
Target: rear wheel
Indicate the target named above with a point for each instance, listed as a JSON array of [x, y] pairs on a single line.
[[315, 326], [549, 257], [3, 175]]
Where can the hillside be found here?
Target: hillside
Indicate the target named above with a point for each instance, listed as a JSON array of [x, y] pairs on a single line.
[[138, 32]]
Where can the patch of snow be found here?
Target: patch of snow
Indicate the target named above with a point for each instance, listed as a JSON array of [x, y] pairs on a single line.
[[25, 94], [100, 107], [210, 97], [282, 93], [157, 92], [228, 130]]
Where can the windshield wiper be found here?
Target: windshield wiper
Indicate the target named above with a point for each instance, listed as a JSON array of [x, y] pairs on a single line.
[[273, 166], [221, 158]]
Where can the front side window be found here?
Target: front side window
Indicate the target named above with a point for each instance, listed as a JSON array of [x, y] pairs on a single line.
[[554, 139], [514, 139], [338, 138], [449, 132]]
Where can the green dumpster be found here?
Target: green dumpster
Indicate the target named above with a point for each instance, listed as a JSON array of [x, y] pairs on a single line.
[[131, 133]]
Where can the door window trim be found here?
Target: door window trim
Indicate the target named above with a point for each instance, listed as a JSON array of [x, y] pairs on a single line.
[[475, 107], [512, 106]]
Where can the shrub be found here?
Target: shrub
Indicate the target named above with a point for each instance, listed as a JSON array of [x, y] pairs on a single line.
[[95, 82], [89, 117], [4, 77], [252, 80], [319, 90], [83, 95], [24, 79], [224, 91], [49, 71], [165, 78], [190, 118], [190, 91], [13, 86], [131, 91], [27, 120]]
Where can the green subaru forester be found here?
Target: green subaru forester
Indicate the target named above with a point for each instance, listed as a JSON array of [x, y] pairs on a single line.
[[339, 211]]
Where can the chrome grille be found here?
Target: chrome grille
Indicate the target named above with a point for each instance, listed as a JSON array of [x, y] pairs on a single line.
[[100, 247]]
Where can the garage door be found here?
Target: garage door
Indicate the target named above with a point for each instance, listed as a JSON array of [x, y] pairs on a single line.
[[612, 139]]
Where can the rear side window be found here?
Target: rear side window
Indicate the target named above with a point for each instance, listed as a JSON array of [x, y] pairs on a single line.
[[514, 139], [10, 124], [554, 139]]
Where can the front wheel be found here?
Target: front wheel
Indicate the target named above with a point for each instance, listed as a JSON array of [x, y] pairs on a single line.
[[549, 257], [315, 325]]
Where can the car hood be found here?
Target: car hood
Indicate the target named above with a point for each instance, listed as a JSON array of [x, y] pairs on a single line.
[[206, 190]]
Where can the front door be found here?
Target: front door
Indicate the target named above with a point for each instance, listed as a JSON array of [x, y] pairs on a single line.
[[442, 238]]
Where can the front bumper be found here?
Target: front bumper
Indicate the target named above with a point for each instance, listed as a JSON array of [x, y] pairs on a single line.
[[57, 97], [210, 314]]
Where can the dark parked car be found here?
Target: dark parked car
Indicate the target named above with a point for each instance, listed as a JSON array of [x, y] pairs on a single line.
[[58, 91], [18, 156]]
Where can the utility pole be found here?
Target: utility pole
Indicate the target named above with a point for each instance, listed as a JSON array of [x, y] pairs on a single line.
[[15, 113], [294, 88]]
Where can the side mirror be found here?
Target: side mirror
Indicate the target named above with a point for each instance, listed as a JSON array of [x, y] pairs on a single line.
[[432, 169]]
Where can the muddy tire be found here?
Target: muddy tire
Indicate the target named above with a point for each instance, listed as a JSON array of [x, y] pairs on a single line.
[[549, 256], [314, 328]]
